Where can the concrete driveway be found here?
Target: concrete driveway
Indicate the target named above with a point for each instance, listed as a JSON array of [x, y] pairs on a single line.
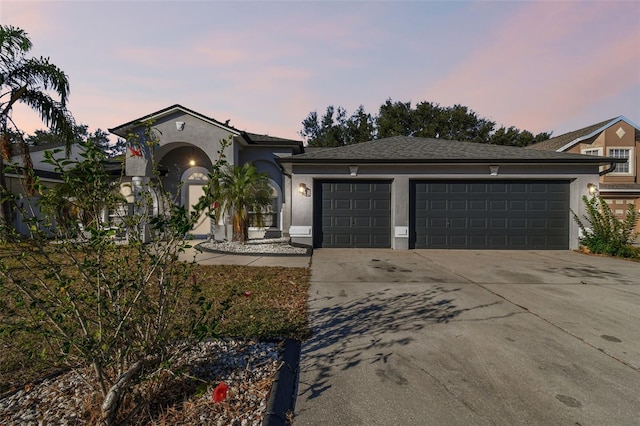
[[471, 337]]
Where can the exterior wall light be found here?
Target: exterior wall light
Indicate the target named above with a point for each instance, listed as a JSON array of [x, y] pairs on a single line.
[[494, 170], [353, 170], [180, 125], [192, 163], [302, 189], [592, 188]]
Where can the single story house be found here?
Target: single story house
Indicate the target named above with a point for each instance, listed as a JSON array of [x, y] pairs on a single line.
[[46, 173], [400, 192], [188, 144]]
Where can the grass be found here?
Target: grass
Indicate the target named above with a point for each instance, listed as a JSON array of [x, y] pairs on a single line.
[[256, 302]]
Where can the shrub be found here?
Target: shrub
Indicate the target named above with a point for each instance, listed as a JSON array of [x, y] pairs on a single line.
[[92, 299], [603, 232]]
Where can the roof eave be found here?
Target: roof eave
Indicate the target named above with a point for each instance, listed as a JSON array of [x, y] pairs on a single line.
[[595, 161], [597, 131], [123, 129]]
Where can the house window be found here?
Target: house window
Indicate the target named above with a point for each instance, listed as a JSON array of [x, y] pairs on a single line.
[[592, 152], [269, 216], [621, 153]]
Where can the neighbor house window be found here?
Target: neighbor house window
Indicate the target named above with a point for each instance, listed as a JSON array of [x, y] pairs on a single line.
[[592, 152], [621, 153]]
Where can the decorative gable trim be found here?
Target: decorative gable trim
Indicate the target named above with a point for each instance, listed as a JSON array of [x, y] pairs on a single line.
[[597, 131], [122, 129]]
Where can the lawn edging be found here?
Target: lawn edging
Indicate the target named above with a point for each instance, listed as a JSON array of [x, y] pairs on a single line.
[[283, 390]]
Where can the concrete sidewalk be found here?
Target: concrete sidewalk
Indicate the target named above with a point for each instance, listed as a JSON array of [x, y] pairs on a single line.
[[462, 337], [208, 258]]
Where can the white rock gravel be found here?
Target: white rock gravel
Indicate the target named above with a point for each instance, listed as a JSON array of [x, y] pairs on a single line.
[[247, 367], [273, 246]]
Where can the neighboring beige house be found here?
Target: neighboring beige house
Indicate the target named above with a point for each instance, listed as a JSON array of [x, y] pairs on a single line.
[[619, 138]]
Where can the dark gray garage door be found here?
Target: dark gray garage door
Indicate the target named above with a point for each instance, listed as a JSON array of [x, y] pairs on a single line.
[[352, 214], [490, 214]]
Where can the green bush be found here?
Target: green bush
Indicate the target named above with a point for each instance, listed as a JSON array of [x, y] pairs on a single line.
[[604, 233], [94, 300]]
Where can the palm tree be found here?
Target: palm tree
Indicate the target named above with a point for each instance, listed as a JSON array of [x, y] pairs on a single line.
[[240, 190], [30, 81]]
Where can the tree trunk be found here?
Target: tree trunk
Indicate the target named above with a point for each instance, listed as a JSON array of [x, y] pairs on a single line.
[[239, 229], [112, 401]]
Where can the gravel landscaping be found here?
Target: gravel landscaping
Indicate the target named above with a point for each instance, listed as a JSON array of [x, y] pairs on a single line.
[[247, 367], [264, 247]]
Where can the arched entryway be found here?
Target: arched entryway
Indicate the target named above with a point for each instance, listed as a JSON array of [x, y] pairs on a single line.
[[194, 180]]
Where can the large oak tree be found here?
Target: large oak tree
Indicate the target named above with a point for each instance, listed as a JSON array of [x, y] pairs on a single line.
[[426, 119]]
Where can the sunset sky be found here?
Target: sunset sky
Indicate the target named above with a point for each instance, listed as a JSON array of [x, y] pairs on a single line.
[[540, 66]]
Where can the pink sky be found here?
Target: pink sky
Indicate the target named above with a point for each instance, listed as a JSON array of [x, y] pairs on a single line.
[[540, 66]]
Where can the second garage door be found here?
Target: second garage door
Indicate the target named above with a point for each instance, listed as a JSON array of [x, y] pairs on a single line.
[[353, 214], [490, 214]]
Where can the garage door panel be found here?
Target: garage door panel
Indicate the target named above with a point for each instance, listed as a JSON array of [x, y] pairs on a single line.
[[539, 206], [478, 223], [478, 205], [438, 205], [354, 214], [478, 240], [458, 205], [341, 204], [382, 222], [538, 223], [498, 223], [557, 206], [458, 223], [517, 224], [498, 205], [438, 188], [340, 188], [519, 205], [340, 221], [538, 188], [458, 188], [497, 188], [490, 215], [556, 223], [437, 222]]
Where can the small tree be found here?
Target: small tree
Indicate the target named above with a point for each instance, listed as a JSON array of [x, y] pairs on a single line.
[[112, 306], [240, 190], [603, 232]]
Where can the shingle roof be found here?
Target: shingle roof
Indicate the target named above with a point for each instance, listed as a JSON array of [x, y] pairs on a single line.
[[254, 137], [46, 146], [561, 141], [404, 149], [620, 187], [122, 129]]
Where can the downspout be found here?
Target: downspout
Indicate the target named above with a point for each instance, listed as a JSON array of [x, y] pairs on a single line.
[[611, 168]]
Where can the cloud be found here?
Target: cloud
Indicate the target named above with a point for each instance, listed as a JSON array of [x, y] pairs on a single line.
[[30, 16], [547, 60]]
